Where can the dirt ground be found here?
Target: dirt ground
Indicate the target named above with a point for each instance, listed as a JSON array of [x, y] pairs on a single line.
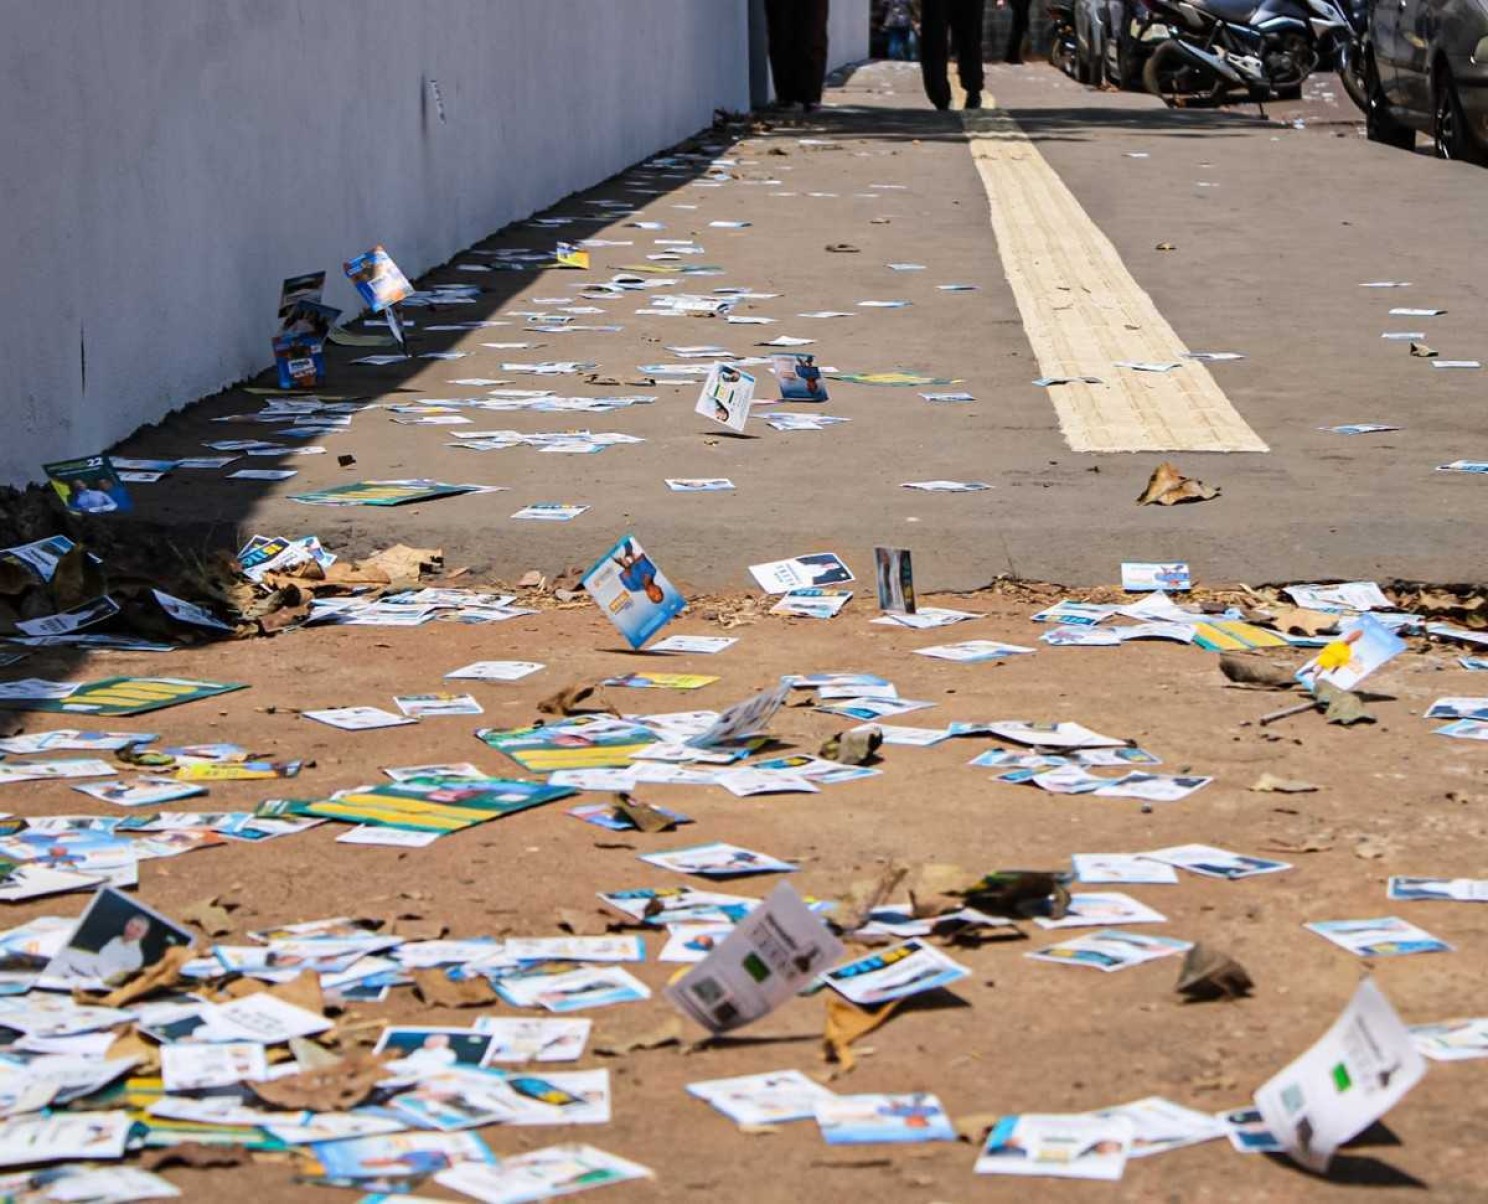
[[1016, 1035]]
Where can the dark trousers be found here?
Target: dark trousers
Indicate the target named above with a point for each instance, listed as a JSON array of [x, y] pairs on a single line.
[[963, 20], [1018, 32], [797, 31]]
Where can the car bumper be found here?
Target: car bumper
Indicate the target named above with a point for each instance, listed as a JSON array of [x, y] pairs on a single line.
[[1472, 90]]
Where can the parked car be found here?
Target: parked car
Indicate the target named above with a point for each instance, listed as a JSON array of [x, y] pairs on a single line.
[[1426, 69]]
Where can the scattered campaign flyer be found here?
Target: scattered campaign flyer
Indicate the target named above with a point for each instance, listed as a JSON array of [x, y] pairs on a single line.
[[1363, 645], [200, 1066], [1159, 1125], [1079, 1146], [377, 279], [550, 512], [573, 990], [141, 791], [748, 718], [798, 377], [1210, 862], [356, 719], [1452, 1040], [571, 255], [764, 1099], [1458, 708], [1357, 1071], [495, 671], [1347, 595], [726, 396], [1129, 868], [632, 592], [518, 1039], [699, 484], [772, 953], [545, 1174], [1051, 735], [894, 973], [1111, 949], [1384, 936], [1089, 909], [812, 603], [116, 937], [894, 571], [1138, 577], [1457, 890], [870, 1119], [64, 1137], [425, 706], [946, 486], [1464, 729], [717, 860], [707, 645], [801, 572], [90, 485], [973, 651], [399, 1156]]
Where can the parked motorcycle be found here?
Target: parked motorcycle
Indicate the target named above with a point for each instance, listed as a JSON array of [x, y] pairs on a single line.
[[1351, 54], [1063, 48], [1261, 48]]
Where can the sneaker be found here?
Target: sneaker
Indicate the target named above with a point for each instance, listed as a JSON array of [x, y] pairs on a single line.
[[973, 100]]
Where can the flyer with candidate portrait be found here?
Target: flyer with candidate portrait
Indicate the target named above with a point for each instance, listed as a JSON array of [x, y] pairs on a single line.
[[633, 593], [90, 485], [798, 377], [726, 396], [378, 280]]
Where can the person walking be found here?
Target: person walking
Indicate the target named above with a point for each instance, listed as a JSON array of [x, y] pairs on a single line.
[[797, 34], [962, 19], [898, 24], [1019, 30]]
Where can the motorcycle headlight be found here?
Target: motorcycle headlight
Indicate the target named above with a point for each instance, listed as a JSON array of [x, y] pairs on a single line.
[[1480, 51]]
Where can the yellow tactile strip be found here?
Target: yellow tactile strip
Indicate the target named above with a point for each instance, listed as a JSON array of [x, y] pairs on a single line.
[[1082, 312]]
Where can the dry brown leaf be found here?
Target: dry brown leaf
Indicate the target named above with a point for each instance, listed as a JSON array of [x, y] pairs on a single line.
[[668, 1032], [164, 973], [1342, 706], [345, 1084], [935, 888], [567, 700], [303, 991], [132, 1047], [402, 563], [1168, 487], [846, 1022], [1307, 844], [585, 923], [1421, 351], [310, 1055], [194, 1153], [1247, 669], [77, 578], [438, 989], [208, 915], [643, 816], [1297, 621], [975, 1126], [1269, 783], [1210, 974], [862, 896]]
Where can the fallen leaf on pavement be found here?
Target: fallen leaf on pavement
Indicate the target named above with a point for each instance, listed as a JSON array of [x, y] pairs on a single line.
[[438, 989], [1210, 974], [862, 896], [164, 973], [1341, 706], [566, 701], [209, 915], [842, 248], [668, 1032], [194, 1153], [644, 816], [1269, 783], [1249, 670], [1168, 487], [344, 1084], [975, 1126], [1297, 621], [1421, 351], [846, 1022]]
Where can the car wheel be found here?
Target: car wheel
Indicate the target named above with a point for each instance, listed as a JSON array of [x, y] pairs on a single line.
[[1449, 134], [1378, 124]]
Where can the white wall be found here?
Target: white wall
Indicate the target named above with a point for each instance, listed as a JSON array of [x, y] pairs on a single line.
[[848, 33], [168, 162]]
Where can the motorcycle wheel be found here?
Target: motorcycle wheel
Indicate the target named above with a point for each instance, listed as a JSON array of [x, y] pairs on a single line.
[[1169, 74]]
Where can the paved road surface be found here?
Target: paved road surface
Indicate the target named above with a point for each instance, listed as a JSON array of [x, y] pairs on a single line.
[[1273, 230]]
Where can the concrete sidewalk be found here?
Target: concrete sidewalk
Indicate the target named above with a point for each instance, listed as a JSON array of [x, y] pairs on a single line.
[[1267, 262]]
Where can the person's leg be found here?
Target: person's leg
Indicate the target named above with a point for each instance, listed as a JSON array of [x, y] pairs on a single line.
[[779, 23], [814, 17], [1018, 32], [933, 52], [896, 44], [966, 20]]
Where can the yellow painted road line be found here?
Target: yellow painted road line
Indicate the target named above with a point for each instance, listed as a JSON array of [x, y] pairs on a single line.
[[1082, 312]]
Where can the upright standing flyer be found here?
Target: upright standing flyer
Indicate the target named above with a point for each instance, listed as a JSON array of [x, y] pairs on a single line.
[[633, 593], [726, 396], [895, 573], [378, 279]]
